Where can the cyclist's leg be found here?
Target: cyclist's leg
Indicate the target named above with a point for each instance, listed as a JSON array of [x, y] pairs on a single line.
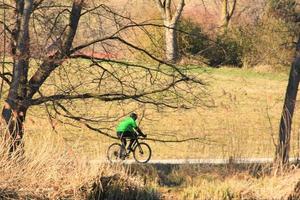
[[123, 142], [132, 139], [127, 135]]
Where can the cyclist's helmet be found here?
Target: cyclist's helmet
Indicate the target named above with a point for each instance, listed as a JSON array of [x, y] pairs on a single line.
[[133, 116]]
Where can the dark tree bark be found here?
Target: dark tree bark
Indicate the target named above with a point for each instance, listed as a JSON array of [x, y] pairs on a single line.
[[14, 111], [52, 62], [283, 148], [21, 90]]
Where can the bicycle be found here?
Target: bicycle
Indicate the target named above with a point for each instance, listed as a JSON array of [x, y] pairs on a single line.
[[141, 152]]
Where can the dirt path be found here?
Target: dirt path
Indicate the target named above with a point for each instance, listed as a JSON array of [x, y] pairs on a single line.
[[203, 161]]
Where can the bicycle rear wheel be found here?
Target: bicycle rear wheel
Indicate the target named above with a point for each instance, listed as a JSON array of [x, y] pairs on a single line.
[[114, 153], [142, 153]]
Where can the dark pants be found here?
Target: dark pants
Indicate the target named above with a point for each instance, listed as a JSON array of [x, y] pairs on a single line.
[[126, 135]]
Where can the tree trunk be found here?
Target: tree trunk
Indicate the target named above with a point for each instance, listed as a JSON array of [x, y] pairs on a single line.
[[170, 22], [227, 12], [14, 119], [21, 90], [14, 110], [224, 17], [171, 43], [283, 148]]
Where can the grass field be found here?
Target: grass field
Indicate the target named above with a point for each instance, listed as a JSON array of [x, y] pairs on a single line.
[[242, 121]]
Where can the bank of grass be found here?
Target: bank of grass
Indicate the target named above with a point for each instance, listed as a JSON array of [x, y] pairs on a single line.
[[259, 72]]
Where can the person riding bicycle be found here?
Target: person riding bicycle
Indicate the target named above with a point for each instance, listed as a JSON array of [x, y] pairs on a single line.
[[128, 128]]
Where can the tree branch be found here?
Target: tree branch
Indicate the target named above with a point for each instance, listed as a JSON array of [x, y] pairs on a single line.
[[7, 6], [232, 9], [98, 130], [6, 27], [52, 62], [178, 12], [82, 46], [156, 59], [160, 6], [36, 4], [197, 139], [102, 97], [93, 9], [3, 76], [167, 9], [168, 4]]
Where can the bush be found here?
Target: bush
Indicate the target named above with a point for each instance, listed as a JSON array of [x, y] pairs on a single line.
[[222, 50], [268, 42], [225, 51], [191, 38]]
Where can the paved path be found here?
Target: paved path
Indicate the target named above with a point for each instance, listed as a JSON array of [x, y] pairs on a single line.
[[203, 161]]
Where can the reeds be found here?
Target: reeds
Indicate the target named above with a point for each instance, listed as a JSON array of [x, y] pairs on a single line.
[[49, 169]]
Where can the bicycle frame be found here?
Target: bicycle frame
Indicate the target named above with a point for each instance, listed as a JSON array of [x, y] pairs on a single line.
[[135, 142]]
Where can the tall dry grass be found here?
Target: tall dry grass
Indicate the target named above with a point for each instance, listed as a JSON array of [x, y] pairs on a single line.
[[48, 169], [221, 182], [242, 186]]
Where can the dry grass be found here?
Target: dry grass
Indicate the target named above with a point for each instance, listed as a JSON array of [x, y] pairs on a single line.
[[48, 170], [243, 121], [223, 182], [242, 186]]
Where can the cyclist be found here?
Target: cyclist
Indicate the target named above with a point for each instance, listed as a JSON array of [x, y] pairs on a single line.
[[128, 128]]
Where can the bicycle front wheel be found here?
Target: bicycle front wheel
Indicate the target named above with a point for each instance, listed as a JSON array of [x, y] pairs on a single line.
[[114, 152], [142, 153]]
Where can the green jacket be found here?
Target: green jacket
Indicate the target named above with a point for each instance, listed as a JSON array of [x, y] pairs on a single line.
[[128, 124]]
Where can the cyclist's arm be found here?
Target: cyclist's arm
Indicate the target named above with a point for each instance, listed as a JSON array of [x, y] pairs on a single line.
[[140, 132], [137, 129]]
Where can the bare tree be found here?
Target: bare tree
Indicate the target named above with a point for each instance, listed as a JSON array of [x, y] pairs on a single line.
[[14, 111], [170, 20], [283, 148], [228, 7], [287, 10], [50, 38]]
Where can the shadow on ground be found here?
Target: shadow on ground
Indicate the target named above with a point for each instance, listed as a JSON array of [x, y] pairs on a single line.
[[174, 175], [117, 188], [11, 194], [177, 181]]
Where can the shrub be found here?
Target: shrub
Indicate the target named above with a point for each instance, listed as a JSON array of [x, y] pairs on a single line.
[[225, 51], [221, 50], [191, 38], [268, 42]]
